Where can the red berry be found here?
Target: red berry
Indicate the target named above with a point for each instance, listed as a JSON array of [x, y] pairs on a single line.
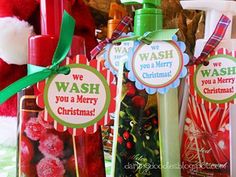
[[120, 140], [148, 112], [130, 89], [44, 123], [49, 166], [138, 101], [126, 135], [154, 121], [26, 150], [51, 145], [34, 130], [129, 145]]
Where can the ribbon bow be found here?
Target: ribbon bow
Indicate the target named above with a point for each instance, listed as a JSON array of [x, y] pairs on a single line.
[[117, 33], [149, 37], [212, 42], [37, 73]]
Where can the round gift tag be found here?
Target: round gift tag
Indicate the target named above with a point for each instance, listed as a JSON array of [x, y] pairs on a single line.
[[79, 99], [116, 52], [158, 64], [217, 82], [157, 67]]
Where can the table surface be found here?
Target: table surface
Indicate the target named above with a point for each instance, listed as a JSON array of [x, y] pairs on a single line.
[[7, 161]]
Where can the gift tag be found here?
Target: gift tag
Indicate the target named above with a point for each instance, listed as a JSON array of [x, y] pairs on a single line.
[[114, 52], [83, 98], [215, 83], [159, 66]]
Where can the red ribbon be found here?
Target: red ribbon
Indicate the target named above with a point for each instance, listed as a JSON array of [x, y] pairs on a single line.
[[212, 42], [125, 22]]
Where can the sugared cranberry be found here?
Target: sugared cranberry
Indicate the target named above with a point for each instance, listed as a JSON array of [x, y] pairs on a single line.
[[51, 145], [50, 167], [34, 130], [44, 123]]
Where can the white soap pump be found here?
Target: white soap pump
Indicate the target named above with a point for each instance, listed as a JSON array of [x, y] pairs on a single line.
[[214, 9]]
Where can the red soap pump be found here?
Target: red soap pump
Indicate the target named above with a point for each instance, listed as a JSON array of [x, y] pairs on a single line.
[[42, 47], [40, 53]]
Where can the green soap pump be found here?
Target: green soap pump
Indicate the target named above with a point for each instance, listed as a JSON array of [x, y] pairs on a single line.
[[148, 19]]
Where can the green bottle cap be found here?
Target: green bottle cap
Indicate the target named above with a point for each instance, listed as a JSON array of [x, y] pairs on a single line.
[[149, 18]]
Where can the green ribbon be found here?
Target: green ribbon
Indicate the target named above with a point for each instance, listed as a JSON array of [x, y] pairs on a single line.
[[149, 37], [37, 73]]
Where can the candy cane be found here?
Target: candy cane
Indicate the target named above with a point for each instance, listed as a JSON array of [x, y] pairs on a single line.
[[223, 116], [206, 118], [214, 113], [193, 114], [197, 109]]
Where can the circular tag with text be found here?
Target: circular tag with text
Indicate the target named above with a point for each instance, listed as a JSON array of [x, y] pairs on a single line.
[[217, 82], [157, 65], [116, 52], [79, 99]]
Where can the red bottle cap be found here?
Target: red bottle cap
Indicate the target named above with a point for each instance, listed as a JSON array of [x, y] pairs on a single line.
[[41, 50], [77, 46], [51, 15]]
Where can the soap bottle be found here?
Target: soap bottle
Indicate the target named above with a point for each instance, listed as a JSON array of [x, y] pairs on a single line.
[[206, 154], [116, 13], [137, 139], [34, 156]]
